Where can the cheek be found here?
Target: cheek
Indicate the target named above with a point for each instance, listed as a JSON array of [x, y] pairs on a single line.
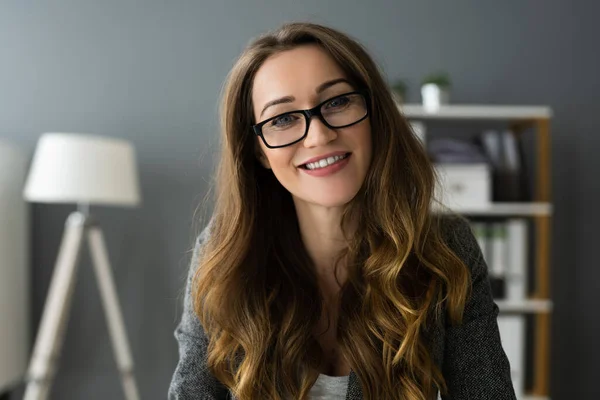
[[281, 160], [369, 145], [277, 158], [365, 142]]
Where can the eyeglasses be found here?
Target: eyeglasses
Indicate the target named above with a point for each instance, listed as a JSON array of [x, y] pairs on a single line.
[[291, 127]]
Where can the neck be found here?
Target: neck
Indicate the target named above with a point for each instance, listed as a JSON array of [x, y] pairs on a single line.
[[323, 238]]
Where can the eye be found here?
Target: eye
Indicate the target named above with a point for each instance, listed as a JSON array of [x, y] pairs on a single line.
[[283, 120], [337, 102]]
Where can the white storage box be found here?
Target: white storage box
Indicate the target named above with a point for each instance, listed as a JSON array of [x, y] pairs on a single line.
[[464, 185]]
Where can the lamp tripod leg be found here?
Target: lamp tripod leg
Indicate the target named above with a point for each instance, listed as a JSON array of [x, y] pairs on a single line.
[[50, 337], [112, 311]]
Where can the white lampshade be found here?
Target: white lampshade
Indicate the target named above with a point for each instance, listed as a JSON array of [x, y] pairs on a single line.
[[83, 168]]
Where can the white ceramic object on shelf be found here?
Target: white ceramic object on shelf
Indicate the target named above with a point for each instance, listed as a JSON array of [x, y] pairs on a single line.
[[434, 96]]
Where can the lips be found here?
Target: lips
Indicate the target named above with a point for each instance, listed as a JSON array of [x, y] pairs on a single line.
[[329, 170]]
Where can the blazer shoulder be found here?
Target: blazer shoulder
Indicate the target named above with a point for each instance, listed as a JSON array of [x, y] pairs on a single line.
[[458, 235]]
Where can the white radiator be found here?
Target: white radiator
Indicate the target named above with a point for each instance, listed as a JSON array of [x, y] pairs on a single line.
[[14, 267]]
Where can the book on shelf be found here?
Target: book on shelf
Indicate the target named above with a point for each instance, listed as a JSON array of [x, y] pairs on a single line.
[[480, 232], [517, 259], [505, 153], [498, 259], [512, 336], [504, 246]]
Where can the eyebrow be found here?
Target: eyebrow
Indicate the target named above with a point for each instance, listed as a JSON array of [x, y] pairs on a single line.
[[326, 85], [288, 99], [282, 100]]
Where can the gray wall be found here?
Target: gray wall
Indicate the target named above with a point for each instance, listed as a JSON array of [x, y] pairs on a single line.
[[151, 71]]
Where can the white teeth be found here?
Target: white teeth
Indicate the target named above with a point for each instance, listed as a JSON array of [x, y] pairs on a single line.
[[324, 162]]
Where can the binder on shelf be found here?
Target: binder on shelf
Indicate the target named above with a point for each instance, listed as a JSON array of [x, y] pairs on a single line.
[[517, 256], [512, 335], [498, 262], [505, 153], [480, 233]]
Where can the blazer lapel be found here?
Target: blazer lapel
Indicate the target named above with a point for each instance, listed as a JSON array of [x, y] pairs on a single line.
[[354, 389]]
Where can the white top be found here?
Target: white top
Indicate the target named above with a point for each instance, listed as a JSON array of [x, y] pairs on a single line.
[[329, 388]]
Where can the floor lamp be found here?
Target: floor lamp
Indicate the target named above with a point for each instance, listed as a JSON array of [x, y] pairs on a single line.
[[85, 170]]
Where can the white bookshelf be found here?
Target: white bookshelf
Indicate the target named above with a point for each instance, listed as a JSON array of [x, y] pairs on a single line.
[[540, 211], [524, 306], [477, 111]]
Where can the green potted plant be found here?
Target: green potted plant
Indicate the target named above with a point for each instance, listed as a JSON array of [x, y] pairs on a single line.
[[399, 89], [435, 90]]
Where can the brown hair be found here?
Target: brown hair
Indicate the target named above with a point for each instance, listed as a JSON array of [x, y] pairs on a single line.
[[256, 291]]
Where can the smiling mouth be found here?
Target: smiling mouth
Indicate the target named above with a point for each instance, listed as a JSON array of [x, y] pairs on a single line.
[[324, 162]]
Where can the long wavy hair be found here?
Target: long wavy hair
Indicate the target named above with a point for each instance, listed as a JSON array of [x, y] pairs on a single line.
[[255, 289]]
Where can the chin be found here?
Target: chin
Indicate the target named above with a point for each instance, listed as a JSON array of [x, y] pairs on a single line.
[[334, 200]]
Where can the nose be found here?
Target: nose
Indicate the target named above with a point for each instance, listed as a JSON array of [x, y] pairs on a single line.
[[318, 134]]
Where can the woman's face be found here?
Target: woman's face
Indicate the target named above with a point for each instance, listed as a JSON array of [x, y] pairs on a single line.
[[302, 78]]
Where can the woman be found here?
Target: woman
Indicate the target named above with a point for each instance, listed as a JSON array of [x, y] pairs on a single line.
[[322, 273]]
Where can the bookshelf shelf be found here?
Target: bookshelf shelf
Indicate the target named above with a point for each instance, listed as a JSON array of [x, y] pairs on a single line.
[[476, 111], [507, 209], [525, 306]]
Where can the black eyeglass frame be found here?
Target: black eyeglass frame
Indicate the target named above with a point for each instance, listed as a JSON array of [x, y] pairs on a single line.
[[313, 112]]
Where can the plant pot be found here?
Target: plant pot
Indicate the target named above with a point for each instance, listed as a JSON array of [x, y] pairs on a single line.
[[434, 96]]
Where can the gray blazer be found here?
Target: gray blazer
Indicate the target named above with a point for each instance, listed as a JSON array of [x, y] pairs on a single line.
[[470, 356]]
